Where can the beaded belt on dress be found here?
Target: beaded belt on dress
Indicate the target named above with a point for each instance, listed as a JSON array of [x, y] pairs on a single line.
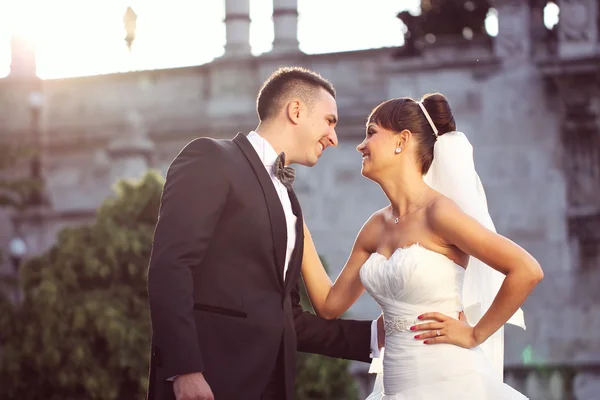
[[398, 324]]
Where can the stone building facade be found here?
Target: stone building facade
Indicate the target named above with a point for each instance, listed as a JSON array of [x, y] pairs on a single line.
[[528, 100]]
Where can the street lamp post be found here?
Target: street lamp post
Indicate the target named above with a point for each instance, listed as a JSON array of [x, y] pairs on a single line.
[[36, 103], [131, 150], [17, 249]]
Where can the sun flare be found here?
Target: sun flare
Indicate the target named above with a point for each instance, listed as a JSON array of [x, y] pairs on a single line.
[[86, 37]]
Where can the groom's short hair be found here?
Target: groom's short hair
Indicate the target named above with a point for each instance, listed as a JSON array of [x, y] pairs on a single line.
[[289, 82]]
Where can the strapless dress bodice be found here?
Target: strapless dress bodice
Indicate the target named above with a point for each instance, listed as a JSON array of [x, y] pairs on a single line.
[[412, 281]]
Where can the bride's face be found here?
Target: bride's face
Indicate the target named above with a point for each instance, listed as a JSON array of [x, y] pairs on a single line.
[[378, 151]]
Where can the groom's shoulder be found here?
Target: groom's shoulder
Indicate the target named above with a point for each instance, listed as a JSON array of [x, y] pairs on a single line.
[[201, 155], [206, 146], [207, 143]]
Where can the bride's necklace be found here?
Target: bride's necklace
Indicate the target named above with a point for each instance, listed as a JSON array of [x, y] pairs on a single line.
[[397, 219], [409, 209]]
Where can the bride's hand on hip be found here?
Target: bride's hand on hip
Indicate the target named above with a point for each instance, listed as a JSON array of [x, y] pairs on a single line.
[[445, 329]]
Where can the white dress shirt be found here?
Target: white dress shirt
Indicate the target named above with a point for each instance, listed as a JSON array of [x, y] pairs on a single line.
[[268, 155]]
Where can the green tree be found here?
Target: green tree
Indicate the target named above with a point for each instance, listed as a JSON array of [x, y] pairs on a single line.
[[16, 193], [8, 284], [82, 330]]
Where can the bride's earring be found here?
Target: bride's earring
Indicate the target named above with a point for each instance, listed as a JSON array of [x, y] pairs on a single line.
[[398, 150]]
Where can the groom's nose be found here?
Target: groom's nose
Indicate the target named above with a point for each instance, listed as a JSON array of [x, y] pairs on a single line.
[[332, 138]]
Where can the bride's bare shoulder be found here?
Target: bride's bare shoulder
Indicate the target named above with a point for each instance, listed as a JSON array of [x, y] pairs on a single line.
[[441, 209], [377, 219], [369, 233]]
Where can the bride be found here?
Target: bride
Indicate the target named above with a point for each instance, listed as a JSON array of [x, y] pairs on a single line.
[[430, 254]]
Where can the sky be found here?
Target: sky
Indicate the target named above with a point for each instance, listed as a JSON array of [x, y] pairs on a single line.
[[85, 37]]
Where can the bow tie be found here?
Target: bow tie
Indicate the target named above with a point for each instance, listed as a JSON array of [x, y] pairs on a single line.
[[285, 174]]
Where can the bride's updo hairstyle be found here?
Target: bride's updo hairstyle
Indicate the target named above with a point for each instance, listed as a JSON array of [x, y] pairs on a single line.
[[405, 113]]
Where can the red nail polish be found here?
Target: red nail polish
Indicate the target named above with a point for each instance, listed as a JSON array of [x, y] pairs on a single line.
[[412, 328], [420, 317], [416, 336], [427, 341]]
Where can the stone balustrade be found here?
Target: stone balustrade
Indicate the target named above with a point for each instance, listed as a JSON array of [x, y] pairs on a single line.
[[555, 382], [548, 382]]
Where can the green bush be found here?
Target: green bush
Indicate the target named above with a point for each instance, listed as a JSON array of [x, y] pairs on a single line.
[[83, 329]]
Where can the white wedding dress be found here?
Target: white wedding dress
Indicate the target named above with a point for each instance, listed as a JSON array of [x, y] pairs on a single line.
[[415, 280]]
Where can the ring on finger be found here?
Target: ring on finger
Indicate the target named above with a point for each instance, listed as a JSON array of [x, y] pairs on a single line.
[[437, 333]]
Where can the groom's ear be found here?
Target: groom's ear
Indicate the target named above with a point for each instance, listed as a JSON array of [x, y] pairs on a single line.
[[293, 111]]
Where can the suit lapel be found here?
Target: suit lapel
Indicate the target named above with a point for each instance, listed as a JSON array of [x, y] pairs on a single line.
[[274, 207], [296, 257]]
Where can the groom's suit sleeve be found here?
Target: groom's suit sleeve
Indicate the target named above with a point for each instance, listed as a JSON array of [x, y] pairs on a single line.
[[337, 338], [193, 198]]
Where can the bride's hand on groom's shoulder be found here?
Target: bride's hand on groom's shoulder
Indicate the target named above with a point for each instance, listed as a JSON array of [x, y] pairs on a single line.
[[445, 329]]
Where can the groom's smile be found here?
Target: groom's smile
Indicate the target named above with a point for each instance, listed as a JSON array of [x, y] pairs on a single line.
[[321, 147]]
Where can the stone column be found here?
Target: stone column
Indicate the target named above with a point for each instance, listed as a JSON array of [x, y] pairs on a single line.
[[285, 20], [578, 28], [543, 41], [580, 98], [513, 43], [237, 27], [131, 151], [579, 92]]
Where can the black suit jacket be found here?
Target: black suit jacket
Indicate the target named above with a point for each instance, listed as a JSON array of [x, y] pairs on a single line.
[[218, 301]]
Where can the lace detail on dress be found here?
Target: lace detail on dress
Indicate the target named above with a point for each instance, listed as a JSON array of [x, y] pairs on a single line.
[[395, 325]]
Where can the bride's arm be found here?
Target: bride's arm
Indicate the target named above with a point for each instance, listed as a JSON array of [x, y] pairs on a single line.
[[522, 271], [330, 300]]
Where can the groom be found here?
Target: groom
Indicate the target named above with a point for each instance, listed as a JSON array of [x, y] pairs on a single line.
[[227, 252]]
